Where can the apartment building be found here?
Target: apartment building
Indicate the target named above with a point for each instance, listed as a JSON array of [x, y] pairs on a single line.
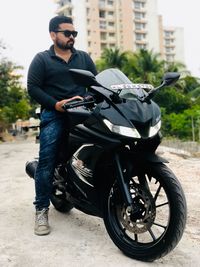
[[125, 24], [173, 44]]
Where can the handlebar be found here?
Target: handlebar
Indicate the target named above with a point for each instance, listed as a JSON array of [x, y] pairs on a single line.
[[87, 101]]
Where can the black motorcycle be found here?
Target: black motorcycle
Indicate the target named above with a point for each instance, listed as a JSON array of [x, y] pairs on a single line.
[[112, 170]]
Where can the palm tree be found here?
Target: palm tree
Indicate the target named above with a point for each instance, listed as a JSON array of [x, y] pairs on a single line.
[[174, 66], [145, 66], [111, 58]]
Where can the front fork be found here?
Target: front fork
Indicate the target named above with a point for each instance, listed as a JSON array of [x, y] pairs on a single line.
[[132, 206], [122, 183]]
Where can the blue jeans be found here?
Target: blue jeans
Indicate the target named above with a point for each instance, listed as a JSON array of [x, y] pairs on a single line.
[[53, 129]]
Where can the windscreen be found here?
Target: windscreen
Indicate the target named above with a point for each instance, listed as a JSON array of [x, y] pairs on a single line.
[[115, 80]]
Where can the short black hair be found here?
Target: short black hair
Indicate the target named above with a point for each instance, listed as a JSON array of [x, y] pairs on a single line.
[[56, 21]]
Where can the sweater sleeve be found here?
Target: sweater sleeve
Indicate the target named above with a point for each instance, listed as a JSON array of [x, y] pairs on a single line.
[[36, 78], [91, 65]]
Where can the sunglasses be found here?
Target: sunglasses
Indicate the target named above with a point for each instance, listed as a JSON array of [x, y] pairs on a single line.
[[68, 33]]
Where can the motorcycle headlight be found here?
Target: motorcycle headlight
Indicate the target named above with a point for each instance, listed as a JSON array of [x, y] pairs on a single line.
[[122, 130], [154, 129]]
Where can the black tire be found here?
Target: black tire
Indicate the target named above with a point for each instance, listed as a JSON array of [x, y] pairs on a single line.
[[163, 229], [60, 203]]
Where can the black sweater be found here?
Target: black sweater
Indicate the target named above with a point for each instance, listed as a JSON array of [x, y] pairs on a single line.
[[49, 79]]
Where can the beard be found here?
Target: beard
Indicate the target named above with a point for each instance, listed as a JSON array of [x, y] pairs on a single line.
[[65, 46]]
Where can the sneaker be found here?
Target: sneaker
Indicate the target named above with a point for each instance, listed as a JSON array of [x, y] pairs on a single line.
[[41, 222]]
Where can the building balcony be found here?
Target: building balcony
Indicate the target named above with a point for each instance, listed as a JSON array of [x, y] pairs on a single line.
[[103, 41], [140, 31], [144, 21], [169, 46], [141, 10], [64, 8], [141, 1], [104, 6], [141, 42], [170, 53], [170, 38]]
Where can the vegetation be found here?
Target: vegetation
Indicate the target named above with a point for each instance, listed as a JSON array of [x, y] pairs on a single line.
[[14, 103], [180, 104]]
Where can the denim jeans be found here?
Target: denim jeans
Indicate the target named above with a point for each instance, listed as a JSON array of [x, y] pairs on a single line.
[[53, 130]]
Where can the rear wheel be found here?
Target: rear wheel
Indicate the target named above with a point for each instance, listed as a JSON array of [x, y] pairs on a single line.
[[156, 223]]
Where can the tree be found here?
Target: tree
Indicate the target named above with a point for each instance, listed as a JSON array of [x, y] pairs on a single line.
[[145, 66], [173, 66], [172, 100], [180, 103], [184, 125], [14, 102], [190, 84], [111, 58]]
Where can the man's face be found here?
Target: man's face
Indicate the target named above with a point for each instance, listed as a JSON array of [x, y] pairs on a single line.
[[64, 37]]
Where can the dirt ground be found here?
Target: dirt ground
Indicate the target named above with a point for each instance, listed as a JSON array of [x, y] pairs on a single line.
[[78, 239]]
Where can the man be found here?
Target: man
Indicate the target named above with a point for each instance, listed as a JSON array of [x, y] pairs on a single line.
[[50, 84]]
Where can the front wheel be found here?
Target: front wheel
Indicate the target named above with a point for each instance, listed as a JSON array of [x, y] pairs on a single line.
[[155, 224]]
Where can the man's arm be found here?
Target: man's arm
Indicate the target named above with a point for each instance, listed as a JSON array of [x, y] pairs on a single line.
[[91, 65], [36, 76]]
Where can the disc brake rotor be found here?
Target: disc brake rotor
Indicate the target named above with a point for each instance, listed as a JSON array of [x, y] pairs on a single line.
[[139, 219]]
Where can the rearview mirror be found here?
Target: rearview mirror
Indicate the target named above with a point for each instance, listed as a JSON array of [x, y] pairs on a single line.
[[83, 77], [170, 78]]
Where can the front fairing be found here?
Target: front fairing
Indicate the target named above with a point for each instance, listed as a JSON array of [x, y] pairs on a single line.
[[131, 112]]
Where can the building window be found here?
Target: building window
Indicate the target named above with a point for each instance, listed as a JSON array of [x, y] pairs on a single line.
[[102, 24], [168, 34], [139, 15], [111, 34], [65, 2], [102, 14], [167, 42], [141, 46], [103, 36], [170, 58], [138, 5], [139, 26], [110, 2], [140, 36], [112, 45], [103, 46], [111, 24]]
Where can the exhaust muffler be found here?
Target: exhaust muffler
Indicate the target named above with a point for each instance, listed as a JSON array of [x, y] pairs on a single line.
[[31, 167]]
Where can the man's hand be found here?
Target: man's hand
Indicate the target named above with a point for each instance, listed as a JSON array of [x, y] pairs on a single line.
[[59, 104]]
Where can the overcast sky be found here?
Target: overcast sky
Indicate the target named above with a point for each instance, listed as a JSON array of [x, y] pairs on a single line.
[[186, 14], [24, 28]]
